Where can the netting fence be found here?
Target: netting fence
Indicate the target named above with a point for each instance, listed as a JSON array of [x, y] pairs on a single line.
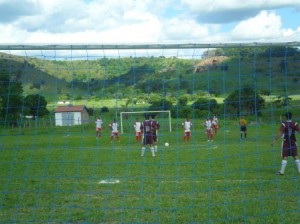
[[54, 168]]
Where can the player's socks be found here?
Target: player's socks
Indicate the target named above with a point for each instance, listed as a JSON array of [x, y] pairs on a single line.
[[298, 164], [283, 165], [152, 151], [143, 151]]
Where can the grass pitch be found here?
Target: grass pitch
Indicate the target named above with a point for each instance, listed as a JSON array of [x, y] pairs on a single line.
[[56, 175]]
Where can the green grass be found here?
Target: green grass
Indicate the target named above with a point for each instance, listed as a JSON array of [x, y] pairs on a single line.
[[52, 176]]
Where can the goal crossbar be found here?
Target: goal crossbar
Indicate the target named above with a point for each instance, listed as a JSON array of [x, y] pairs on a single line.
[[143, 112]]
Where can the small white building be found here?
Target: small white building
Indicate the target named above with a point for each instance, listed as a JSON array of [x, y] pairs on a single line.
[[71, 115]]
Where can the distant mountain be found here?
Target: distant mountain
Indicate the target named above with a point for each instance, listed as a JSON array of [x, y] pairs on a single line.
[[35, 79], [277, 73]]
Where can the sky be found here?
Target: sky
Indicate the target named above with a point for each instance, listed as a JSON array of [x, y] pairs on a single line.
[[148, 21]]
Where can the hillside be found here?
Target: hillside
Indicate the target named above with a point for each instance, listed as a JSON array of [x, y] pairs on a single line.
[[35, 79], [131, 77]]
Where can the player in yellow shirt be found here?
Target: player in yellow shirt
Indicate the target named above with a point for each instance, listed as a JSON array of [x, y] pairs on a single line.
[[243, 127]]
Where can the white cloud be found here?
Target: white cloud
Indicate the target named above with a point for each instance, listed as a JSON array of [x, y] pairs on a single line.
[[147, 21], [266, 25], [220, 11], [220, 5], [184, 30]]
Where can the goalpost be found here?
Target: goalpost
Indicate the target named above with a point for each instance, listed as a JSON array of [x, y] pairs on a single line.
[[143, 112]]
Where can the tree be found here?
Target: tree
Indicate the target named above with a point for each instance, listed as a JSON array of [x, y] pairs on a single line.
[[244, 100], [183, 100], [10, 98], [36, 104], [128, 101], [154, 98], [282, 100], [161, 104], [181, 111], [205, 104]]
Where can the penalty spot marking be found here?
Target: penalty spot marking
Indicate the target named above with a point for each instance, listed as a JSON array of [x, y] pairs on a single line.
[[109, 181]]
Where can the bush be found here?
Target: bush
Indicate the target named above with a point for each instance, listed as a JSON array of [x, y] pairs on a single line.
[[90, 111], [183, 100], [182, 112], [161, 104], [202, 114], [224, 67], [104, 110], [205, 104]]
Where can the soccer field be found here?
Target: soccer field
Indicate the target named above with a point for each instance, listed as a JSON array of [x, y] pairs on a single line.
[[66, 175]]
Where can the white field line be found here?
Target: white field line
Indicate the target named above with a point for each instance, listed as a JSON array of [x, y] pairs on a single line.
[[109, 181], [116, 181]]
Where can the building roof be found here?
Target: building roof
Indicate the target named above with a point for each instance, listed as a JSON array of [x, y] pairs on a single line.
[[70, 108]]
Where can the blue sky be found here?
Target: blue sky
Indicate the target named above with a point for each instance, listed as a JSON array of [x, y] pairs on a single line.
[[148, 21], [290, 17]]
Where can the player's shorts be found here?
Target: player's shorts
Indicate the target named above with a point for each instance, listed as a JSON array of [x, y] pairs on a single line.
[[138, 134], [148, 139], [289, 149], [243, 128], [216, 126], [209, 131], [187, 133], [115, 134], [98, 129]]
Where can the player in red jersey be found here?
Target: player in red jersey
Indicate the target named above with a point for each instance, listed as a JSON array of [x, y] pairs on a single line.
[[147, 129], [138, 131], [215, 123], [287, 131], [187, 125]]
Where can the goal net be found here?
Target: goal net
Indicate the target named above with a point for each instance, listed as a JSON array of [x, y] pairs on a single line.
[[57, 168]]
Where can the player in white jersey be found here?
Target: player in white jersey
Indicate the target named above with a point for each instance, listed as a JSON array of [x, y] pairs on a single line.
[[187, 125], [114, 130], [98, 123], [208, 126], [138, 131]]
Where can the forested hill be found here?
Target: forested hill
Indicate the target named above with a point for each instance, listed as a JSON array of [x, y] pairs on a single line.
[[219, 74]]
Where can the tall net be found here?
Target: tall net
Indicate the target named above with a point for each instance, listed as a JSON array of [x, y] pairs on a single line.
[[56, 168]]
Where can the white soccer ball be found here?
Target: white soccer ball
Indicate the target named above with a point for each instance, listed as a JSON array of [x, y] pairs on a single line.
[[166, 144]]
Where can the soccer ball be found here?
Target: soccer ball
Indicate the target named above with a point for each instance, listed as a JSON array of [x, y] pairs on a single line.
[[166, 144]]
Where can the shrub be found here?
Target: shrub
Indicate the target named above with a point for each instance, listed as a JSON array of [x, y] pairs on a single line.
[[104, 110]]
